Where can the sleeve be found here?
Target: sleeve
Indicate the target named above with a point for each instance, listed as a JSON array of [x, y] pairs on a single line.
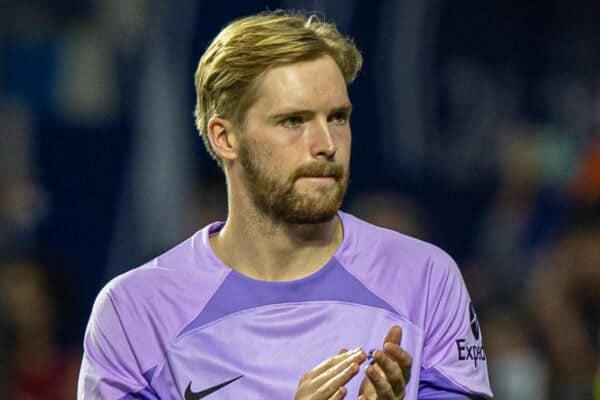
[[109, 368], [454, 365]]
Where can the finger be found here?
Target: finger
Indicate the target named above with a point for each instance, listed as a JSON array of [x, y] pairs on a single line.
[[339, 394], [382, 386], [367, 391], [333, 385], [392, 370], [394, 335], [330, 362], [339, 369], [403, 359]]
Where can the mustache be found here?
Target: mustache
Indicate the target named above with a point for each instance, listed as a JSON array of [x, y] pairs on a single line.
[[333, 170]]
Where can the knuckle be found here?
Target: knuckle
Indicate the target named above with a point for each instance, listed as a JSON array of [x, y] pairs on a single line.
[[328, 374], [387, 393], [396, 376], [301, 394], [405, 357], [323, 392]]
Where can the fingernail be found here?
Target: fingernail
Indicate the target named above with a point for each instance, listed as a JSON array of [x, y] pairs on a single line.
[[371, 356], [357, 351]]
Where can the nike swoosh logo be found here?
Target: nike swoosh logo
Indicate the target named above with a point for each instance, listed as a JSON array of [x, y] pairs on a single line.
[[189, 395]]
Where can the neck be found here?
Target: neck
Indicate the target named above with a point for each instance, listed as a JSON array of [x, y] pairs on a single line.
[[261, 248]]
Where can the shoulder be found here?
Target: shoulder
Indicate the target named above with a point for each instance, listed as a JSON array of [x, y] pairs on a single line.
[[152, 303], [187, 267], [402, 270], [385, 247]]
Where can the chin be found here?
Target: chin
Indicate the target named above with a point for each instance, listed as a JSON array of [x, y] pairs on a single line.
[[300, 208], [311, 215]]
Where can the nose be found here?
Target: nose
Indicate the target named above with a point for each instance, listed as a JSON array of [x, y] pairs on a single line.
[[322, 142]]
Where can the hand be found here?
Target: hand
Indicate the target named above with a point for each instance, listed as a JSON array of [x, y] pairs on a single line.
[[326, 381], [388, 377]]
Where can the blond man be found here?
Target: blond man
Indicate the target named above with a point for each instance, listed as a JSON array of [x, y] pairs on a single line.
[[266, 304]]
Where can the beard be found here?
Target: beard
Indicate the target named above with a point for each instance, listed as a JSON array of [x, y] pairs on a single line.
[[279, 198]]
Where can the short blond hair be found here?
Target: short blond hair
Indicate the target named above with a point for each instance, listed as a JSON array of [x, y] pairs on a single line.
[[246, 48]]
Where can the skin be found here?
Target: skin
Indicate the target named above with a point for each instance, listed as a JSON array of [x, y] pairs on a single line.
[[327, 380], [388, 377], [294, 147], [293, 123]]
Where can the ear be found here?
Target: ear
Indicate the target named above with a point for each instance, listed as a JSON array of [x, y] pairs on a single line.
[[222, 138]]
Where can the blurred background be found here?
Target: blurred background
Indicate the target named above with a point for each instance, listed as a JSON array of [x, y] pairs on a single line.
[[476, 127]]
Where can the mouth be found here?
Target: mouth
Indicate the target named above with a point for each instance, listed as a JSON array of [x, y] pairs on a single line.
[[328, 172], [319, 180], [319, 177]]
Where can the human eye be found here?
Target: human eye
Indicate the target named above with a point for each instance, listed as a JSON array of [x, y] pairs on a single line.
[[292, 121], [339, 117]]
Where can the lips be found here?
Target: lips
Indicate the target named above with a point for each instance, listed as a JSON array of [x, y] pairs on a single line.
[[320, 176], [333, 171]]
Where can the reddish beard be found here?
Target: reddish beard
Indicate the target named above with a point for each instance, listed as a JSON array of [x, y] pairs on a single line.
[[280, 199]]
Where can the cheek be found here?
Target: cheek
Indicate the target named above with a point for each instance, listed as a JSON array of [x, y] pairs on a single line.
[[273, 158], [342, 133], [275, 163], [344, 142]]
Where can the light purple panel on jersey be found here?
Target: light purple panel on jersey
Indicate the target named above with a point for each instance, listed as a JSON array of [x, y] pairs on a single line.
[[271, 355], [423, 283], [274, 332], [139, 313]]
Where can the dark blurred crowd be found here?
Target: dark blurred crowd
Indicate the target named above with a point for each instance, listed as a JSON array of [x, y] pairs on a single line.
[[69, 93], [60, 93]]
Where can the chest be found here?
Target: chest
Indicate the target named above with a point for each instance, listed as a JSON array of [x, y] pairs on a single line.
[[263, 352]]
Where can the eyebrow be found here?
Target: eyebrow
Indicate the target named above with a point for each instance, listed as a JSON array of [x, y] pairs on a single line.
[[346, 108]]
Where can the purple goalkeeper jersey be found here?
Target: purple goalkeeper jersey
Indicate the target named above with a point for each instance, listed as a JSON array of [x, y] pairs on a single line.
[[186, 326]]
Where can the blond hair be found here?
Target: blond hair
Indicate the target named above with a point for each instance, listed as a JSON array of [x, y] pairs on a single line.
[[245, 49]]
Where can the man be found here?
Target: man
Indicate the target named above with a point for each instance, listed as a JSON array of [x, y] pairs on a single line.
[[257, 307]]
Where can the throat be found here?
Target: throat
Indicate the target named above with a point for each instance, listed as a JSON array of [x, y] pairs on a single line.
[[278, 257]]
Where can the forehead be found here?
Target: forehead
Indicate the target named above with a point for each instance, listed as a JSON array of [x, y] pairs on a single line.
[[307, 85]]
